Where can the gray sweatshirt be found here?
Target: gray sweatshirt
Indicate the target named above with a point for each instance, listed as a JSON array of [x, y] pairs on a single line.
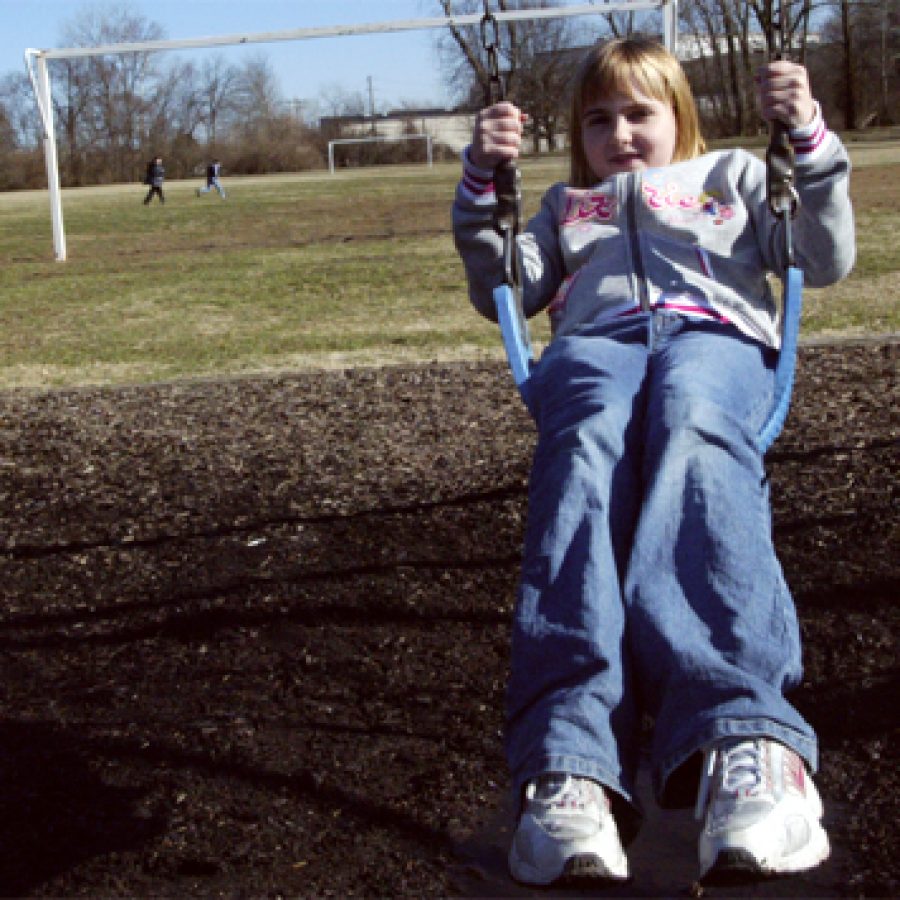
[[695, 237]]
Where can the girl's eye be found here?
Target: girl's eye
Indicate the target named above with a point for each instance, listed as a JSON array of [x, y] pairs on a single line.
[[596, 119]]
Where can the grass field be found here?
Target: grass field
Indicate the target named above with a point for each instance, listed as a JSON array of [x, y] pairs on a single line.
[[306, 271]]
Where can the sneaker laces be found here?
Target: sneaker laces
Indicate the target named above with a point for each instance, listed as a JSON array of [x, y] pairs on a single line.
[[563, 790], [743, 771]]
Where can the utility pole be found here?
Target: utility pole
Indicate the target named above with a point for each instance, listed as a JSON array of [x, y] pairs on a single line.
[[883, 112], [371, 102], [847, 33]]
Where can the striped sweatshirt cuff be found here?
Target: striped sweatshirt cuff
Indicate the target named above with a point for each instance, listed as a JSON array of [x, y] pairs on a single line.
[[810, 141], [476, 184]]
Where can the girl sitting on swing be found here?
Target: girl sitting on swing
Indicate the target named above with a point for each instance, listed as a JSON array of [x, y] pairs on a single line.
[[649, 583]]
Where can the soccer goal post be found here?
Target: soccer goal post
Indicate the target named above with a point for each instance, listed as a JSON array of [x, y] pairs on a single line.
[[379, 139], [38, 72]]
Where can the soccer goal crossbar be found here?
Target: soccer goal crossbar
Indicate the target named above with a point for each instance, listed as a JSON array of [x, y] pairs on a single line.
[[38, 71]]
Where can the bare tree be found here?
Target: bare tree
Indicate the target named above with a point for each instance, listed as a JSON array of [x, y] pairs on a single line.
[[7, 145], [865, 77], [187, 99], [176, 115], [535, 58], [784, 25], [7, 133], [465, 58], [338, 101], [108, 98], [216, 87], [115, 111], [887, 26], [721, 73], [849, 67], [546, 69], [255, 95], [71, 112], [620, 23], [21, 164], [17, 105], [726, 34]]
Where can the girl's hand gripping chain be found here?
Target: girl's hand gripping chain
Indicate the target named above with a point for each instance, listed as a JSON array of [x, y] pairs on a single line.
[[784, 94], [497, 136], [496, 142], [786, 102]]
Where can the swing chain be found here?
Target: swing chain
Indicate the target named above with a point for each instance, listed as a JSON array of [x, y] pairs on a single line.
[[490, 40], [783, 199], [507, 179]]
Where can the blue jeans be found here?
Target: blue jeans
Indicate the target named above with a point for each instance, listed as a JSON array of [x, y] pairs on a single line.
[[215, 183], [650, 584]]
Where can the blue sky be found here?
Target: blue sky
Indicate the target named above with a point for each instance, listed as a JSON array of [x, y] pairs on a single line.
[[403, 66]]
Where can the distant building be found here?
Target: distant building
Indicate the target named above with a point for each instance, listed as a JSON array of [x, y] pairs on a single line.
[[695, 46], [452, 128]]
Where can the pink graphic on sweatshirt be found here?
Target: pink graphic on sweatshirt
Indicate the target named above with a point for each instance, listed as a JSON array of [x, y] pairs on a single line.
[[588, 206], [663, 197]]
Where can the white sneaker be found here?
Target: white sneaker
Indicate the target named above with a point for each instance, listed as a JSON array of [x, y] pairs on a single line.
[[566, 830], [761, 812]]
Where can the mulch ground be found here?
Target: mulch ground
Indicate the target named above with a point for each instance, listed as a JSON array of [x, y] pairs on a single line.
[[254, 632]]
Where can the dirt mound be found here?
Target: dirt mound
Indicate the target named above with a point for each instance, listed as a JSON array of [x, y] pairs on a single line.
[[254, 632]]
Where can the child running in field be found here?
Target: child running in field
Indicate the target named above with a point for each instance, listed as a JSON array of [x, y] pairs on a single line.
[[213, 174], [650, 584]]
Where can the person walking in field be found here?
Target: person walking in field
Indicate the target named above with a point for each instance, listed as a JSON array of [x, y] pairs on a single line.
[[156, 175], [213, 173], [650, 588]]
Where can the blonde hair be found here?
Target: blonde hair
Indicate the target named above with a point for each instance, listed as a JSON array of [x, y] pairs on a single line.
[[623, 66]]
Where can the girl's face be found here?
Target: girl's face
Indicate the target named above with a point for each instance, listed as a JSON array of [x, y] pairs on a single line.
[[627, 133]]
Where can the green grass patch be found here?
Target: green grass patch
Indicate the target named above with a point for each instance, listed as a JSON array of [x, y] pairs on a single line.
[[302, 271]]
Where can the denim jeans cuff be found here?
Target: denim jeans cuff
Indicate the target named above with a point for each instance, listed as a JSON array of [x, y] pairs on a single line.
[[802, 743], [594, 768]]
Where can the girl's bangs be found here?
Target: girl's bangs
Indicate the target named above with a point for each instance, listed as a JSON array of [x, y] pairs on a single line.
[[625, 77]]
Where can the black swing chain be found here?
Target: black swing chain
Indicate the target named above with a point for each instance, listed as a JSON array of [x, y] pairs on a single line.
[[780, 159], [490, 41], [507, 179]]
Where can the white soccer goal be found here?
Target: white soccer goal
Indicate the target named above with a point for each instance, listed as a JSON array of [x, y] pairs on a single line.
[[36, 62], [379, 139]]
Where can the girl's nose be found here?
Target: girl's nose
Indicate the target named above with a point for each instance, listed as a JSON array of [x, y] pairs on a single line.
[[621, 128]]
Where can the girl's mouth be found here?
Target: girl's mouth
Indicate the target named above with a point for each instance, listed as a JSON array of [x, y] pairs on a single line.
[[626, 159]]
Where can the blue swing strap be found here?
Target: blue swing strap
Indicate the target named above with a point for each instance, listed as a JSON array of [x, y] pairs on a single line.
[[783, 202], [508, 191], [508, 295], [787, 358], [516, 339]]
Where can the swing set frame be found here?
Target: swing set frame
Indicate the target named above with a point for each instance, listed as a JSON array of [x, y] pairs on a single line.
[[39, 74]]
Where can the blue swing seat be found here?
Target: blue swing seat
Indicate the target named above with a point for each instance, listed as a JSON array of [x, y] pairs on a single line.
[[520, 355]]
